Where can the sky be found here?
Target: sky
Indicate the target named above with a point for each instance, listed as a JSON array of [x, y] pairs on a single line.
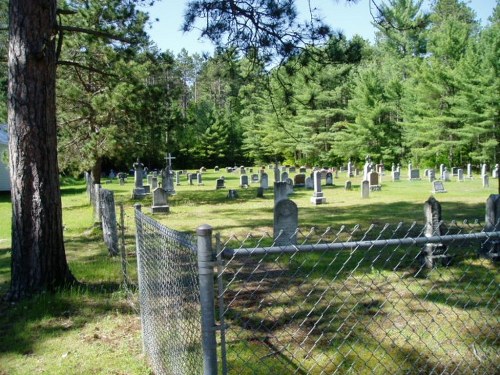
[[350, 18]]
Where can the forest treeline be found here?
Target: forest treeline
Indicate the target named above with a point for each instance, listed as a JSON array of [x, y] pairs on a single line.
[[425, 91]]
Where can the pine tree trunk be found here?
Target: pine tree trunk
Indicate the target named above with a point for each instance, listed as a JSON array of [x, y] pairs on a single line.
[[38, 256], [97, 170]]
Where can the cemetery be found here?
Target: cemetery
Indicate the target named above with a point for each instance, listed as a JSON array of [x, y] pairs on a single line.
[[290, 200]]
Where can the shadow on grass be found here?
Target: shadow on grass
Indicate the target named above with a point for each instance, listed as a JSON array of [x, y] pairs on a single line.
[[47, 315]]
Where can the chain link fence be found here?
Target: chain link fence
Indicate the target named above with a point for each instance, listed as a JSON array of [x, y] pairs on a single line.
[[354, 300], [169, 297]]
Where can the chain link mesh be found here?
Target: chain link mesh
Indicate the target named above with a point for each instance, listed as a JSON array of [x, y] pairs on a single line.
[[372, 307], [169, 298]]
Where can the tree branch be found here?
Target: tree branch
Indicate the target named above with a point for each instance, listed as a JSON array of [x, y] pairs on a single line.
[[89, 68], [96, 33]]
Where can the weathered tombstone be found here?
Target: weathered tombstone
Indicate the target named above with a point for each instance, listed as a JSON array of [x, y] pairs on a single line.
[[348, 185], [284, 176], [243, 170], [433, 227], [286, 221], [232, 194], [192, 177], [396, 175], [486, 181], [374, 179], [264, 183], [280, 191], [365, 189], [329, 179], [121, 178], [460, 175], [446, 175], [414, 174], [441, 170], [438, 187], [494, 172], [491, 248], [159, 201], [216, 169], [309, 183], [277, 174], [431, 174], [139, 191], [302, 170], [289, 184], [469, 170], [350, 169], [292, 169], [199, 179], [454, 171], [244, 181], [149, 178], [317, 197], [484, 169], [410, 167], [109, 225], [178, 178], [255, 178], [299, 180], [154, 182], [219, 184]]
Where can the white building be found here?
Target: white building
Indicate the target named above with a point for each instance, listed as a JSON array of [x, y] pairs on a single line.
[[4, 168]]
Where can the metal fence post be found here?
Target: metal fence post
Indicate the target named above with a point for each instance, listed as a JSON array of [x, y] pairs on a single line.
[[206, 275], [138, 239]]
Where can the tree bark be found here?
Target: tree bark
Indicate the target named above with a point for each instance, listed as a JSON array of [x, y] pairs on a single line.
[[38, 255], [97, 170]]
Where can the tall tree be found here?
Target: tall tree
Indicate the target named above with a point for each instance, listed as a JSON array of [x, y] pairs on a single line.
[[38, 256]]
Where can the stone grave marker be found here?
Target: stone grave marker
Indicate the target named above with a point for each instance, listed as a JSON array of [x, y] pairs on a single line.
[[154, 182], [438, 187], [302, 170], [317, 197], [254, 178], [491, 248], [374, 179], [139, 191], [219, 184], [460, 175], [199, 179], [284, 176], [244, 181], [433, 227], [454, 171], [260, 192], [365, 189], [264, 182], [431, 174], [414, 174], [286, 221], [396, 175], [178, 178], [292, 169], [469, 171], [109, 224], [232, 194], [280, 191], [329, 179], [160, 204], [309, 183], [299, 180], [484, 169], [486, 181], [348, 185]]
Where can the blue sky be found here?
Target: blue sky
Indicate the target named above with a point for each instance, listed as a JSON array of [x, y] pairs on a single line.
[[351, 18]]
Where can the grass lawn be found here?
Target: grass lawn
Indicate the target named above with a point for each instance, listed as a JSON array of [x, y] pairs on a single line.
[[93, 329]]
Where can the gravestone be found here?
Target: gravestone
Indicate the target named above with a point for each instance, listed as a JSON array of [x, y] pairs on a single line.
[[441, 170], [284, 176], [289, 184], [396, 175], [108, 219], [460, 175], [469, 171], [350, 169], [191, 177], [329, 179], [365, 189], [374, 181], [178, 178], [159, 201], [280, 191], [433, 227], [199, 179], [438, 187], [264, 181], [139, 192], [242, 170], [286, 221], [309, 183], [410, 167], [491, 248], [260, 192], [292, 169], [299, 180], [216, 168], [486, 181], [244, 181], [317, 197], [348, 185], [454, 171], [232, 194], [484, 169], [302, 170], [219, 184], [167, 176], [494, 172], [431, 174], [446, 175], [255, 178], [154, 183], [149, 178], [414, 174]]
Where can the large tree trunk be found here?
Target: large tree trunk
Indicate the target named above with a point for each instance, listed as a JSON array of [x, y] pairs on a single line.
[[97, 170], [38, 256]]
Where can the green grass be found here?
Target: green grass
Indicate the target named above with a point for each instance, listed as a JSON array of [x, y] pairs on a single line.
[[92, 329]]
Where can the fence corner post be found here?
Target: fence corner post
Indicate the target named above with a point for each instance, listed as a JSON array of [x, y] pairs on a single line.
[[207, 298]]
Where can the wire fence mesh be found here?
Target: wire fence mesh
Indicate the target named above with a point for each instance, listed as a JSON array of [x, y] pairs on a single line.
[[356, 300], [169, 297]]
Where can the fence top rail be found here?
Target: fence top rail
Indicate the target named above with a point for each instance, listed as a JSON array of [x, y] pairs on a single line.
[[366, 244]]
